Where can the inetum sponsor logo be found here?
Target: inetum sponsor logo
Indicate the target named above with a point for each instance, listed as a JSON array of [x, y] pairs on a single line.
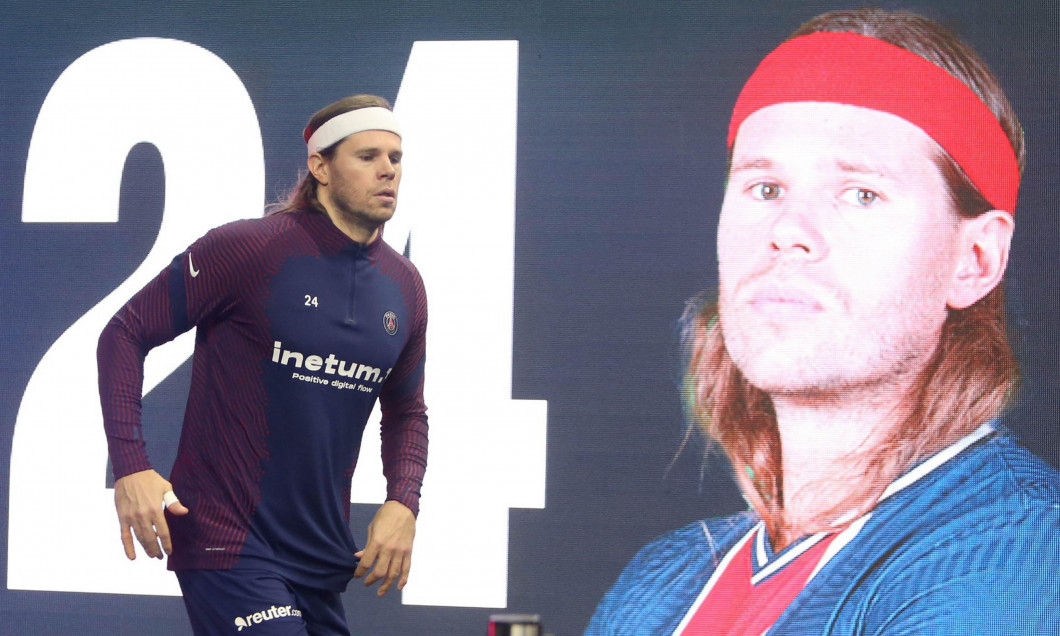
[[330, 365], [267, 615]]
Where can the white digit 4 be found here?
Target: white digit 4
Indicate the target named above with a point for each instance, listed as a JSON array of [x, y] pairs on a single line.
[[62, 529], [458, 106]]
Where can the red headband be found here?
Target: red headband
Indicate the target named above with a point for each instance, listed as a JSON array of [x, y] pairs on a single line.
[[847, 68]]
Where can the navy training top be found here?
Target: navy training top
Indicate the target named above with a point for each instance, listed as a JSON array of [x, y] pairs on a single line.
[[299, 330]]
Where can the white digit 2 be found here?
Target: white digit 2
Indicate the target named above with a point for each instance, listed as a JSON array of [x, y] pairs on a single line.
[[62, 530]]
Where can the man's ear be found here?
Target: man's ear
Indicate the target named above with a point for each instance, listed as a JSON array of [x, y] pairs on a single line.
[[318, 168], [983, 244]]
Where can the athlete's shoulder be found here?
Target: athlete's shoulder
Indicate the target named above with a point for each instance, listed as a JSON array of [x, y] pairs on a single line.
[[253, 230], [1022, 511], [690, 546], [235, 234], [995, 488], [964, 551], [396, 260], [245, 242], [1024, 476], [662, 580]]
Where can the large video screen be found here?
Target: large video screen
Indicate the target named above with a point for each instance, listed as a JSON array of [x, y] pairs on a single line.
[[564, 169]]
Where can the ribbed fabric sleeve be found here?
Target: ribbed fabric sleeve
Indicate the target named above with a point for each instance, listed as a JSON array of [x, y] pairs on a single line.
[[141, 325], [404, 424]]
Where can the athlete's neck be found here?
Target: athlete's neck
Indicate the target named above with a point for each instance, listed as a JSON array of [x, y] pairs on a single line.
[[825, 444], [349, 226]]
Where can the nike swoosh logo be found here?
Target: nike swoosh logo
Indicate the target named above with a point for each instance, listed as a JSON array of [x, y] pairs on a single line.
[[191, 267]]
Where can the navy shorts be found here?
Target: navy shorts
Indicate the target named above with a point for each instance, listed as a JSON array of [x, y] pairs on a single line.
[[258, 603]]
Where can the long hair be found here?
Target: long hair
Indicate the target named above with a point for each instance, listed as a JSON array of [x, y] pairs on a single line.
[[968, 380], [304, 194]]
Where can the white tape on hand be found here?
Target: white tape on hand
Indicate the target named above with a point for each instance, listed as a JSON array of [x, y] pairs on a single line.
[[169, 498]]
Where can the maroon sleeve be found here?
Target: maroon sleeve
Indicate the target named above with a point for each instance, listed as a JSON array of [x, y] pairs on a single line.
[[184, 294], [404, 423], [145, 322]]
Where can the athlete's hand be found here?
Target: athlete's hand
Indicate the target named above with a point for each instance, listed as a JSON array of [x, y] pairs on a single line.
[[389, 547], [139, 500]]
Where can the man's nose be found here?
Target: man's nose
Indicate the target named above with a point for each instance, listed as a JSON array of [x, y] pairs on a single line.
[[387, 169], [797, 228]]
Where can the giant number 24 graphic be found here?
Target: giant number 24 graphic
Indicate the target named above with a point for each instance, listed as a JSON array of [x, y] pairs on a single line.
[[457, 103]]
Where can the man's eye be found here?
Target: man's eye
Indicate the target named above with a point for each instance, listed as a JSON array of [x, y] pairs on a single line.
[[860, 197], [765, 191]]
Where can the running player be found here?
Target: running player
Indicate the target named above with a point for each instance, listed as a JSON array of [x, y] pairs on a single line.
[[303, 320]]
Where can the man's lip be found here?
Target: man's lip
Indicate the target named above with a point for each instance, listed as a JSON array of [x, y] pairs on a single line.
[[785, 297], [389, 194]]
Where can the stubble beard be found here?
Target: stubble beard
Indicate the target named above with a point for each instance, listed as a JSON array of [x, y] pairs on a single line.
[[828, 362], [361, 216]]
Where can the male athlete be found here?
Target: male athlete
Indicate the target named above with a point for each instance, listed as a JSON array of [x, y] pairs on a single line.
[[856, 363], [304, 318]]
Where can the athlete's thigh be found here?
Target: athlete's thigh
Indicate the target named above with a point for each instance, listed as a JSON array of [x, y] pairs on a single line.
[[251, 602], [322, 611]]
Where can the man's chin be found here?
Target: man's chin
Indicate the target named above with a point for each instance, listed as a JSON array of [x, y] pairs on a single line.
[[371, 219], [777, 378], [775, 368], [383, 214]]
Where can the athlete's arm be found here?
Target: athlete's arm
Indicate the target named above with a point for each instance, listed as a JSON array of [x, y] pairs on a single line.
[[403, 427], [388, 550], [162, 310], [142, 324]]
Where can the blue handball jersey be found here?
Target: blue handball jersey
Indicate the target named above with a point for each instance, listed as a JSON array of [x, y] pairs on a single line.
[[970, 546], [299, 331]]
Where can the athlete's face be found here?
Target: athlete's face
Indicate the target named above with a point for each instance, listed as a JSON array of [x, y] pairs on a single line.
[[837, 245], [360, 181]]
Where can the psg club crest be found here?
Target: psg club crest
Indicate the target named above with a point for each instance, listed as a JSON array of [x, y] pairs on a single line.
[[390, 322]]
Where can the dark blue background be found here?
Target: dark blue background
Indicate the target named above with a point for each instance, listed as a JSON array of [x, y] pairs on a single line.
[[623, 108]]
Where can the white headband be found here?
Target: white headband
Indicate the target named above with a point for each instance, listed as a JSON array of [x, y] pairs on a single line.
[[341, 126]]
